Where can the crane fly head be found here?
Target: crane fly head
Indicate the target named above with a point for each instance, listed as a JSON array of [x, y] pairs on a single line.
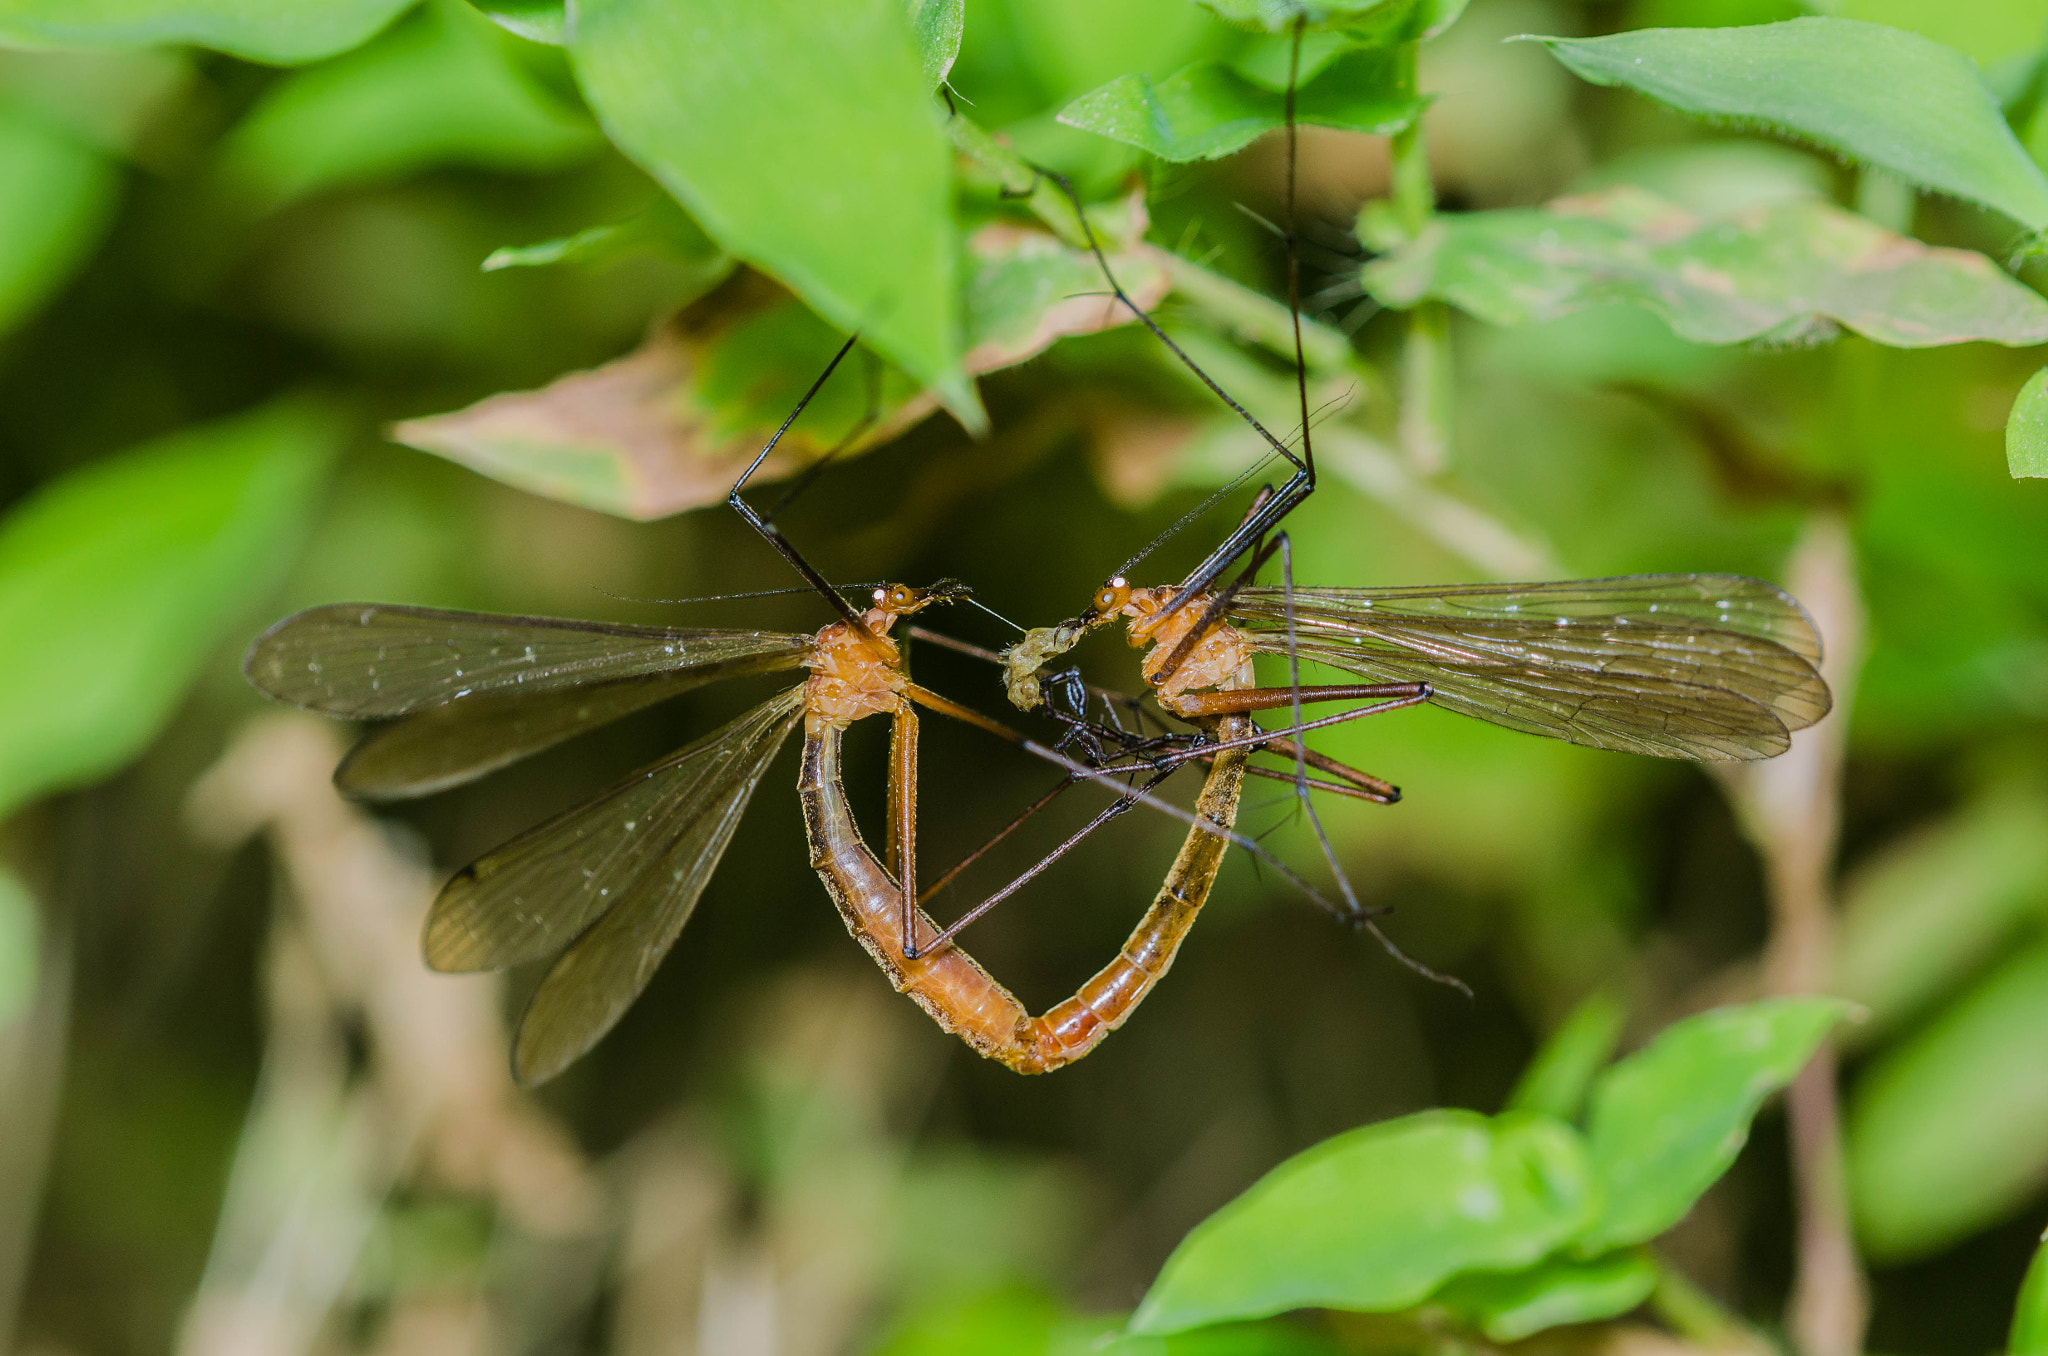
[[1109, 601], [900, 600]]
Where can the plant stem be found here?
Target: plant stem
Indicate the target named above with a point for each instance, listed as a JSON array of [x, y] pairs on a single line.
[[1790, 809]]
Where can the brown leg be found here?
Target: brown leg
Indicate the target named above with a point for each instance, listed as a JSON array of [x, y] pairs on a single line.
[[1271, 698], [902, 843]]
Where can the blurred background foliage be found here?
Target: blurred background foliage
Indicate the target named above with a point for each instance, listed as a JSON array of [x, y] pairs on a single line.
[[236, 1114]]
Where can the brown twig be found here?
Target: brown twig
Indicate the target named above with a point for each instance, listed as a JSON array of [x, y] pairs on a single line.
[[1790, 808]]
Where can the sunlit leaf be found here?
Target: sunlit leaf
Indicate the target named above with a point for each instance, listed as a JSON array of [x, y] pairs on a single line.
[[1208, 110], [1782, 272], [937, 25], [262, 30], [2026, 429], [664, 228], [671, 425], [2030, 1315], [805, 140], [1836, 83], [1666, 1122], [1377, 1218], [1948, 1131], [1556, 1080], [535, 20], [1384, 20], [117, 582], [438, 89], [56, 194], [1930, 909], [1508, 1306]]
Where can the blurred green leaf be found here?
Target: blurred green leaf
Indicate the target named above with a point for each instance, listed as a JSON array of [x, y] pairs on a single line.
[[1948, 1131], [1392, 20], [109, 99], [20, 938], [937, 25], [2026, 429], [535, 20], [1785, 272], [1001, 1323], [1556, 1080], [261, 30], [1931, 908], [1666, 1122], [663, 227], [117, 582], [438, 89], [55, 197], [2030, 1315], [1208, 110], [1835, 83], [1508, 1306], [806, 143], [670, 426], [1377, 1218]]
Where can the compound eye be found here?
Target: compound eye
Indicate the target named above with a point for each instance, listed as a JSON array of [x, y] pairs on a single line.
[[1112, 597], [901, 595]]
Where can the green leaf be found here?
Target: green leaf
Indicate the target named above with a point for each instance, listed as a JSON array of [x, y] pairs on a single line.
[[1835, 83], [1931, 909], [56, 195], [2030, 1315], [118, 581], [1274, 16], [1556, 1080], [1666, 1122], [671, 425], [663, 228], [439, 89], [20, 940], [2026, 429], [1782, 272], [1208, 110], [937, 25], [535, 20], [1004, 1323], [261, 30], [1377, 1218], [805, 141], [1509, 1306], [1948, 1131]]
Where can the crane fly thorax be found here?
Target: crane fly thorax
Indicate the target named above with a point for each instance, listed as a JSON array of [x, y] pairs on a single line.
[[1215, 659], [853, 675]]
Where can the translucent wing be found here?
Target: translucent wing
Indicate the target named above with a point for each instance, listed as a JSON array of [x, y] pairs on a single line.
[[439, 747], [373, 661], [1707, 666], [613, 881]]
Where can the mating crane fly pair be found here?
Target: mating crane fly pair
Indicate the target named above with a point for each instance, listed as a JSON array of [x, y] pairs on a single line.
[[1699, 666]]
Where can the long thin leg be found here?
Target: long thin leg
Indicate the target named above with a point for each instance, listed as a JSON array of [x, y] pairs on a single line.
[[1000, 834], [772, 534], [1270, 698], [903, 815]]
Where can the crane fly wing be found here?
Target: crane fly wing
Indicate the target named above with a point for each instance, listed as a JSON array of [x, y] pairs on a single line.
[[374, 661], [1706, 666], [590, 986], [537, 893], [613, 881], [443, 746]]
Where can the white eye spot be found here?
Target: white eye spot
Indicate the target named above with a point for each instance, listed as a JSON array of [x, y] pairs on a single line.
[[880, 594], [1119, 582]]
